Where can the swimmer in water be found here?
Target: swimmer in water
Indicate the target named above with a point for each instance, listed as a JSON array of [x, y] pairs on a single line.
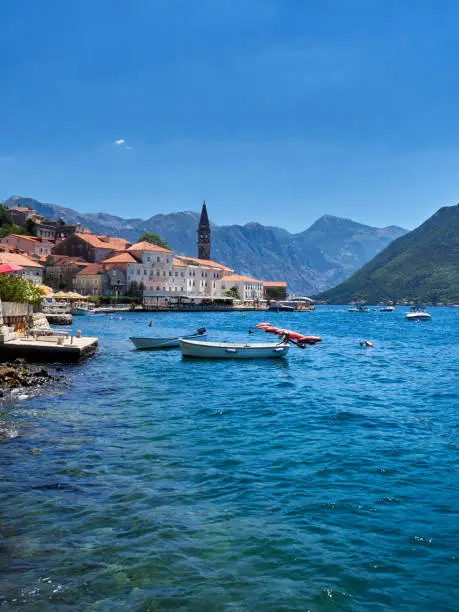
[[151, 324], [250, 331]]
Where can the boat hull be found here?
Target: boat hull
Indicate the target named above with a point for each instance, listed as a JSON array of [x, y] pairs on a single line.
[[418, 316], [82, 311], [150, 344], [230, 350]]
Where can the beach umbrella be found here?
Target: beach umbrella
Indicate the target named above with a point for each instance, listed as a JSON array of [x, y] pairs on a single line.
[[6, 267]]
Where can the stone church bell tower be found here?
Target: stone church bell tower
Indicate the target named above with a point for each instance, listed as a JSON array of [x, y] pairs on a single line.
[[204, 234]]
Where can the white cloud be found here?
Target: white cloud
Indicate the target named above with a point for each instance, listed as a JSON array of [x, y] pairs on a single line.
[[122, 144]]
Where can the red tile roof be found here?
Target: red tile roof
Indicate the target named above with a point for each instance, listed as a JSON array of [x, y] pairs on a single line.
[[117, 244], [237, 278], [123, 258], [203, 262], [274, 284], [31, 238], [66, 260], [104, 242], [18, 260], [91, 269], [147, 246]]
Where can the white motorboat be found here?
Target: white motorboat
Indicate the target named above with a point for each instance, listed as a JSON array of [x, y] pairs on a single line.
[[233, 350], [418, 313], [358, 309], [147, 344], [387, 309], [83, 308]]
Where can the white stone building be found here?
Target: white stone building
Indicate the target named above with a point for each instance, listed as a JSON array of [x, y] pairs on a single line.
[[248, 288]]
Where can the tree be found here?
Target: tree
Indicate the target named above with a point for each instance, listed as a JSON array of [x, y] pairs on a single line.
[[154, 239], [233, 293], [6, 224]]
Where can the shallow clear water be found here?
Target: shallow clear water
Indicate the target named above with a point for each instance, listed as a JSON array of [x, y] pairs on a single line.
[[324, 481]]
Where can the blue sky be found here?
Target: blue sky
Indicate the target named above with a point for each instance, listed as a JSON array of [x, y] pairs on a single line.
[[275, 111]]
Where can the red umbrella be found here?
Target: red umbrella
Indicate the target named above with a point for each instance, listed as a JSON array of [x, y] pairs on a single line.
[[5, 268]]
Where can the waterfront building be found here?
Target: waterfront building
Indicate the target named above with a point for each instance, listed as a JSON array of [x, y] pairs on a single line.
[[88, 280], [32, 270], [90, 247], [61, 271], [246, 288], [30, 245]]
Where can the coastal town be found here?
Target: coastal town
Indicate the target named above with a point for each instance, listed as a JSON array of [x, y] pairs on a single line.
[[71, 258]]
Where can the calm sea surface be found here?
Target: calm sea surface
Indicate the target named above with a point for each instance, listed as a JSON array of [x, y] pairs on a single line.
[[325, 481]]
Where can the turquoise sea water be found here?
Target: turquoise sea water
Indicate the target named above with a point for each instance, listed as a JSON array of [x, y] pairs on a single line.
[[324, 481]]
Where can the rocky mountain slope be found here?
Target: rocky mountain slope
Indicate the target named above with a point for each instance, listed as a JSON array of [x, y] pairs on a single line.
[[311, 261], [422, 266]]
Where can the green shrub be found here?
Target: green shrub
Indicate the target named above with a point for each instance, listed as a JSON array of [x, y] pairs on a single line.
[[16, 289]]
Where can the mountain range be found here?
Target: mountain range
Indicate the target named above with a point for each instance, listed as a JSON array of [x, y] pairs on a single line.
[[320, 257], [421, 266]]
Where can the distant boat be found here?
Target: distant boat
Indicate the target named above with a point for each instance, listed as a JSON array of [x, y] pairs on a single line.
[[358, 309], [283, 307], [387, 309], [83, 308], [233, 350], [147, 344], [418, 313]]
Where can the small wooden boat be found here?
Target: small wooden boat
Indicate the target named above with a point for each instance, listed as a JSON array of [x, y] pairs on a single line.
[[233, 350], [148, 344], [418, 313]]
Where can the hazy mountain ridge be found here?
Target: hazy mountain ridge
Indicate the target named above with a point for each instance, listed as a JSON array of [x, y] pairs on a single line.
[[311, 261], [421, 266]]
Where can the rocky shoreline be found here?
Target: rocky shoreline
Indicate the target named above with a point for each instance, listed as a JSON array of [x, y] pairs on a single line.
[[17, 376]]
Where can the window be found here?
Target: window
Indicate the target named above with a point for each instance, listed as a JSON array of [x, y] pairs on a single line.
[[158, 259]]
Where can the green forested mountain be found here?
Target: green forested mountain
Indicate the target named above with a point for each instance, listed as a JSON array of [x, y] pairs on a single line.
[[422, 266]]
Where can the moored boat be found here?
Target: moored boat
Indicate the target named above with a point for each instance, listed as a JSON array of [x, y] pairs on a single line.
[[83, 308], [418, 313], [282, 307], [233, 350], [387, 309], [358, 309], [146, 344]]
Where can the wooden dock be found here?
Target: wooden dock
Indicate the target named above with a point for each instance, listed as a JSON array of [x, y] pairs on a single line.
[[73, 350]]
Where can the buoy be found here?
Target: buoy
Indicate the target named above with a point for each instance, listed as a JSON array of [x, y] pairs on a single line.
[[310, 339], [273, 330]]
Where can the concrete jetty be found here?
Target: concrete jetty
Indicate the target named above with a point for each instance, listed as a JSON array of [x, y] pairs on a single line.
[[46, 349]]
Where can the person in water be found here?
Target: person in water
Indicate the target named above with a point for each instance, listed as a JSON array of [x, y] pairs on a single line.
[[150, 324], [250, 331]]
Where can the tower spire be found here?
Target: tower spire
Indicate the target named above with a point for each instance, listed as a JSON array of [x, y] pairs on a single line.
[[204, 234]]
